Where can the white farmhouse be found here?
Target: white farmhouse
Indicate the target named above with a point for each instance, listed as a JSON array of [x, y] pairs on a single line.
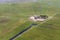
[[38, 18]]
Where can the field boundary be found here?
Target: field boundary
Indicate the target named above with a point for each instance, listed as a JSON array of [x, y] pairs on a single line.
[[38, 24], [14, 37]]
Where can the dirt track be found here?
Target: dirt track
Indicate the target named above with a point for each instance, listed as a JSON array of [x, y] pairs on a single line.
[[22, 31]]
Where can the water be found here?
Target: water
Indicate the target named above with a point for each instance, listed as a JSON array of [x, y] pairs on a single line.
[[15, 1], [33, 24]]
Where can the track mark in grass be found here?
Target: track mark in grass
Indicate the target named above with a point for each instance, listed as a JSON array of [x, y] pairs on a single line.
[[14, 37]]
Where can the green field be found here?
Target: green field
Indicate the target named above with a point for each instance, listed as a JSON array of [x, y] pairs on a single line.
[[49, 30], [15, 18]]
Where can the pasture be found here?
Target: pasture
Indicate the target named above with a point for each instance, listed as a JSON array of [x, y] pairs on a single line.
[[14, 18], [49, 30]]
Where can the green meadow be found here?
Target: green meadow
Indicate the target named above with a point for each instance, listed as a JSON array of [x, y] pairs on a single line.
[[15, 18], [49, 30]]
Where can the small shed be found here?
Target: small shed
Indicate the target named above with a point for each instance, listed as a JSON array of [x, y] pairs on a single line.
[[38, 18]]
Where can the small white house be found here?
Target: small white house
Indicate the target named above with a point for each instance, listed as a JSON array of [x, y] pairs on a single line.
[[38, 18]]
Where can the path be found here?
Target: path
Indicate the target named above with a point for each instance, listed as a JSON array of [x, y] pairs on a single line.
[[22, 31], [29, 28]]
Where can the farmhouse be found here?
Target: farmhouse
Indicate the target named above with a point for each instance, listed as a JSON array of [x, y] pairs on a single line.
[[38, 18]]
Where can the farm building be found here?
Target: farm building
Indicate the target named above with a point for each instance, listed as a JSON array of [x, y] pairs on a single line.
[[38, 18]]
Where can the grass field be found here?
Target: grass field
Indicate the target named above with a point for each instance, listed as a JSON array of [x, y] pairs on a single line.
[[14, 19], [47, 31]]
